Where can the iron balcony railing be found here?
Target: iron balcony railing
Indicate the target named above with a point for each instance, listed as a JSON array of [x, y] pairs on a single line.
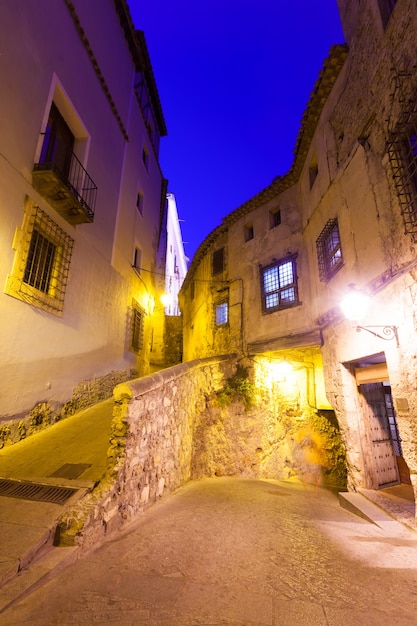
[[56, 157]]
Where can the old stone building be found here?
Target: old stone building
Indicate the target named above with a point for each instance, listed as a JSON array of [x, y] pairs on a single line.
[[269, 281], [82, 201]]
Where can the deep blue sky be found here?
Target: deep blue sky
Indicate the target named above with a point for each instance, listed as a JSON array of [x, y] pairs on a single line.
[[234, 78]]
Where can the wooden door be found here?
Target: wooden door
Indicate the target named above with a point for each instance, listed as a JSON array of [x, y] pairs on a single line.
[[384, 464]]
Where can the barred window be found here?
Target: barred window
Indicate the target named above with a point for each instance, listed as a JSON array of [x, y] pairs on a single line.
[[222, 313], [136, 327], [40, 262], [279, 285], [401, 148], [41, 268], [329, 251]]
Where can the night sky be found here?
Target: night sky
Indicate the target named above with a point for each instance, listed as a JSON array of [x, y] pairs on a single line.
[[234, 78]]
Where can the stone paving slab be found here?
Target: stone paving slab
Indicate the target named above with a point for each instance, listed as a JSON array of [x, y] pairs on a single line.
[[30, 579], [236, 552]]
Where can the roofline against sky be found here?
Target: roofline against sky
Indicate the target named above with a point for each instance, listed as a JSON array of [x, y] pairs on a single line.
[[322, 88], [139, 51]]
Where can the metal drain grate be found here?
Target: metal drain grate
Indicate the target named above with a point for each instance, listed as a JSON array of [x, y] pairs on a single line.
[[70, 470], [33, 491]]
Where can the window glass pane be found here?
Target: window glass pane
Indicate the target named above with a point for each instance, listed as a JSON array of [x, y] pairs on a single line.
[[222, 313], [336, 257], [271, 279], [272, 300], [39, 263], [285, 274], [288, 295]]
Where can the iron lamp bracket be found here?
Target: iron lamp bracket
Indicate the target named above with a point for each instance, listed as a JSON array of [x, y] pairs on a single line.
[[386, 332]]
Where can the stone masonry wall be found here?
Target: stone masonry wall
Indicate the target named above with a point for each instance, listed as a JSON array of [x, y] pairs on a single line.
[[253, 430], [150, 448], [198, 419], [44, 414]]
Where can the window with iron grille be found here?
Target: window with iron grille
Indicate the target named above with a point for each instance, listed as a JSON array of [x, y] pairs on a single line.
[[405, 177], [401, 148], [279, 285], [217, 262], [329, 251], [222, 313], [136, 327], [42, 262]]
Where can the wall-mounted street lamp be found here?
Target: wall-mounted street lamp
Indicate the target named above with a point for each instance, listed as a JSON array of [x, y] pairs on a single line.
[[166, 299], [355, 305]]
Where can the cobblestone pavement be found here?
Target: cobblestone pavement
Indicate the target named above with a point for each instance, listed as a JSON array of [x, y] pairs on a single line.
[[238, 552]]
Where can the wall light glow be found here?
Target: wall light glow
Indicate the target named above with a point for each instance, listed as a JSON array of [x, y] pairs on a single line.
[[166, 299]]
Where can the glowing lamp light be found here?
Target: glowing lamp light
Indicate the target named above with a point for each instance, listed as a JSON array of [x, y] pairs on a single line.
[[355, 306], [165, 299]]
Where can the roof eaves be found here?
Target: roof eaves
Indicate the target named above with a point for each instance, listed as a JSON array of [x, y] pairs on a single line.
[[321, 91], [140, 55]]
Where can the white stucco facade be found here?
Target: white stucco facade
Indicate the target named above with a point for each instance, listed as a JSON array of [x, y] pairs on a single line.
[[74, 321], [176, 261]]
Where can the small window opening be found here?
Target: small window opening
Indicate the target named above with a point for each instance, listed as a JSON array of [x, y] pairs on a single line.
[[248, 232], [313, 171], [274, 218], [222, 313], [218, 262], [139, 201]]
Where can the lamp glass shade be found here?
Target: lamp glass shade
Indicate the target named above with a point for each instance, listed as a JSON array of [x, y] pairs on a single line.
[[165, 299], [355, 304]]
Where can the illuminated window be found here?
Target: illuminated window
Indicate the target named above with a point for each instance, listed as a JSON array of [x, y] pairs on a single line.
[[222, 313], [41, 268], [279, 285], [274, 218], [248, 232], [136, 327], [217, 262], [329, 251], [386, 7]]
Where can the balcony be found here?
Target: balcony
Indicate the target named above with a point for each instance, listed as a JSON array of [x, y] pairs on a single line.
[[66, 186]]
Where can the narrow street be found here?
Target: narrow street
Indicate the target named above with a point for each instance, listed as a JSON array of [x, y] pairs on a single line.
[[240, 552]]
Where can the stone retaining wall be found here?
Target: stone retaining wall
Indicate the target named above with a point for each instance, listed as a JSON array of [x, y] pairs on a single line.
[[150, 449], [44, 414]]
